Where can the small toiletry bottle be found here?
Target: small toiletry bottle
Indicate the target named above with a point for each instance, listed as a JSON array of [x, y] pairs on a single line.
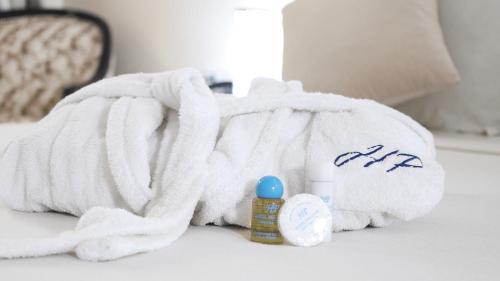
[[321, 182], [265, 210]]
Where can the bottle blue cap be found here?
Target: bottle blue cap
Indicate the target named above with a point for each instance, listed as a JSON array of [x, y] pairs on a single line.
[[269, 187]]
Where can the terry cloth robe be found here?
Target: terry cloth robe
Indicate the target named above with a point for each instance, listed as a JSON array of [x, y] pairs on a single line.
[[140, 156]]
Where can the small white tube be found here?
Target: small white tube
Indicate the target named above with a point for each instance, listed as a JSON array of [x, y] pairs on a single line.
[[321, 182]]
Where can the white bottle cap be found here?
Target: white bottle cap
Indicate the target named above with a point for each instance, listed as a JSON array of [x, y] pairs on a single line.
[[305, 220], [321, 171]]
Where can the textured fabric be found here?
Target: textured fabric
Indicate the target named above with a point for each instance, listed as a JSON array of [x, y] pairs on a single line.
[[107, 154], [39, 57], [140, 156], [280, 130], [471, 30], [387, 50]]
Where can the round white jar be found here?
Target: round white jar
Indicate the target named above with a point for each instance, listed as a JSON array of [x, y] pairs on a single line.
[[305, 220]]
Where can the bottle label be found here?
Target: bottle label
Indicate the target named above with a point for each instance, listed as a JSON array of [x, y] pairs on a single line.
[[265, 221]]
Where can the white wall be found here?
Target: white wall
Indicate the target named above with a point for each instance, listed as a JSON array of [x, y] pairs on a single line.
[[20, 4], [157, 35], [52, 4]]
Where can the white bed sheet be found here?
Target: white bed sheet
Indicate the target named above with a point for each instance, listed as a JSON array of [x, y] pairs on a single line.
[[459, 240]]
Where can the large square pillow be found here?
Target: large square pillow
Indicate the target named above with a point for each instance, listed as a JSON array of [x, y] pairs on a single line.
[[472, 31], [387, 50]]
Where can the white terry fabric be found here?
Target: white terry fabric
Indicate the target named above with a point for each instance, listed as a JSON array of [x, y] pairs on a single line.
[[140, 156], [284, 132], [107, 154]]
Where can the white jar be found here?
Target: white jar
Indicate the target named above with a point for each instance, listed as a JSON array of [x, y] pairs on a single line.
[[304, 220]]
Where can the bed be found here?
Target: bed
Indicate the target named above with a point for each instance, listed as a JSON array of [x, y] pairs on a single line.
[[459, 240]]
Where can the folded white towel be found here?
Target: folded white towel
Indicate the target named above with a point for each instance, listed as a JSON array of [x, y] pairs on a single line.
[[140, 156]]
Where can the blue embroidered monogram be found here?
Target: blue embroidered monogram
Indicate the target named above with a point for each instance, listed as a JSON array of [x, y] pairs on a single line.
[[406, 162]]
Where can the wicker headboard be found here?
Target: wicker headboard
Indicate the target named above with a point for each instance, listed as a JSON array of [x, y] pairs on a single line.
[[46, 55]]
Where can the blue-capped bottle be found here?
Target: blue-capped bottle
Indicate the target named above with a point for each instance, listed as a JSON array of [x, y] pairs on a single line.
[[265, 209]]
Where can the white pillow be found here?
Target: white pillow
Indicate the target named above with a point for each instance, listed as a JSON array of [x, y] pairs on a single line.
[[387, 50], [472, 32]]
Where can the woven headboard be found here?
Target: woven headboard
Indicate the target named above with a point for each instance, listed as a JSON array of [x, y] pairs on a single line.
[[45, 55]]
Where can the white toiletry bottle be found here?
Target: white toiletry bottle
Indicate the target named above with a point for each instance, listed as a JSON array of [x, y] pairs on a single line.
[[321, 182]]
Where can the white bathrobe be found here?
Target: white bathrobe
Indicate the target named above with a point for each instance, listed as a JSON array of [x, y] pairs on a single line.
[[140, 156]]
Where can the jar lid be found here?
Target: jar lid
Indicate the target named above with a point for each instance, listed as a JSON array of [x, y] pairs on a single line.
[[305, 220]]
